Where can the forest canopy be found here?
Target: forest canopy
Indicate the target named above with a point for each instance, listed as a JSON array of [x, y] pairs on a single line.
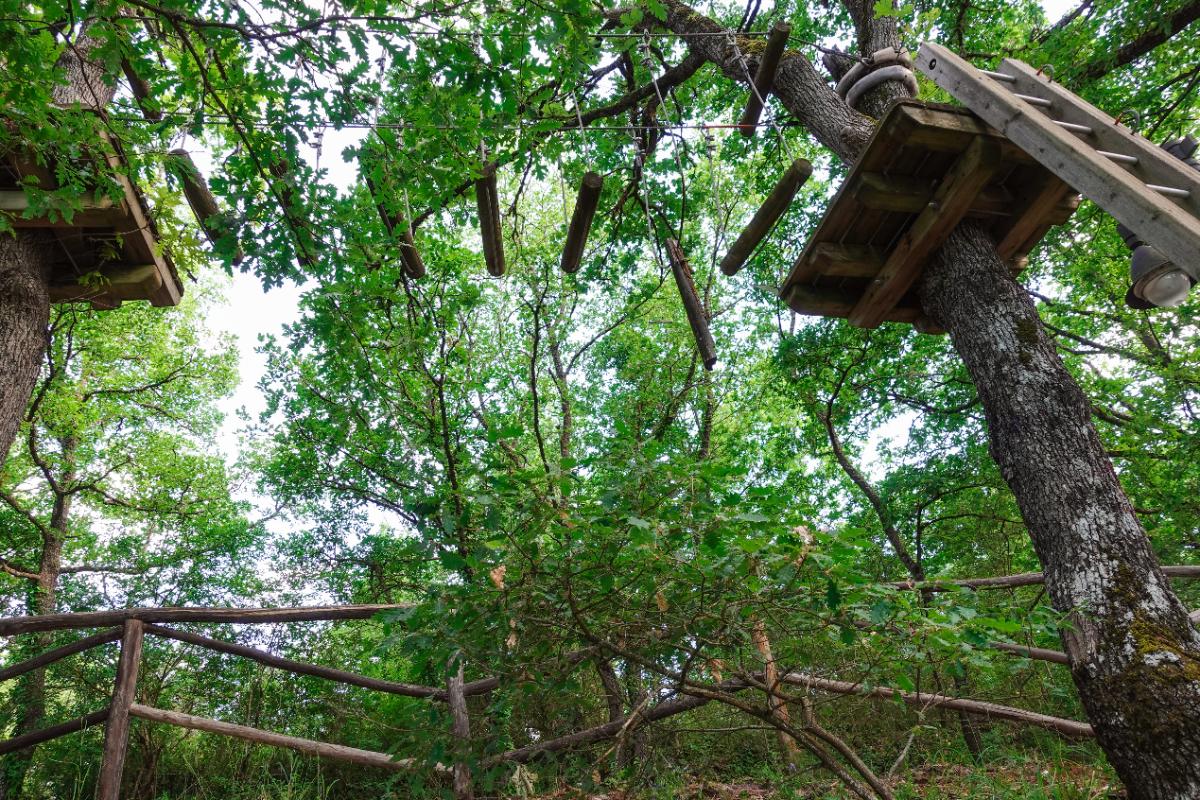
[[539, 474]]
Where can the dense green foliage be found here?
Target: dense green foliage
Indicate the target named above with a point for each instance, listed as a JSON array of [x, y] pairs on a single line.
[[540, 464]]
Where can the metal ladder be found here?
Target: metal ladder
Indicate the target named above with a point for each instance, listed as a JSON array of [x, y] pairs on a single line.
[[1145, 188]]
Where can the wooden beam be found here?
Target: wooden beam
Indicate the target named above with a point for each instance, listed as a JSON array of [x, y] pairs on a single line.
[[1037, 653], [461, 730], [298, 667], [1186, 571], [1037, 218], [950, 204], [116, 730], [1066, 727], [828, 302], [691, 303], [1171, 225], [59, 653], [336, 752], [581, 220], [768, 214], [487, 199], [846, 260], [16, 200], [764, 77], [52, 732], [117, 282], [251, 616], [911, 195]]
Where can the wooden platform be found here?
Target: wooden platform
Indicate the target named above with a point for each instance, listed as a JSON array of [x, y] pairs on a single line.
[[110, 250], [926, 168]]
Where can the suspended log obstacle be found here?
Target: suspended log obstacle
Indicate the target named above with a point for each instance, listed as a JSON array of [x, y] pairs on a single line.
[[767, 215], [141, 92], [581, 220], [487, 197], [109, 249], [764, 77], [682, 271], [410, 257], [926, 168], [216, 224], [1145, 188]]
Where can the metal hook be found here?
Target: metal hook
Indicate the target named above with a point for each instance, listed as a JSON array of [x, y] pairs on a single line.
[[1137, 115]]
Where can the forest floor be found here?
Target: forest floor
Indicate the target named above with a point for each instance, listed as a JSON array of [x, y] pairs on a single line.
[[1002, 781]]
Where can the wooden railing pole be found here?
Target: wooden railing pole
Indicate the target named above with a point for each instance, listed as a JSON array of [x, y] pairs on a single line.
[[116, 732], [462, 732]]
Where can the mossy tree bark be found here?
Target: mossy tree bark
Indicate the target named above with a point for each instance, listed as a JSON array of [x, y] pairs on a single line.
[[1134, 654]]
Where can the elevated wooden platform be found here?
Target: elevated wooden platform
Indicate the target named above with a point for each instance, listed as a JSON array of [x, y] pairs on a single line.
[[109, 251], [926, 168]]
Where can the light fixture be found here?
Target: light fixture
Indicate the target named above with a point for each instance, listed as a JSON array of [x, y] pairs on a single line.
[[1157, 282]]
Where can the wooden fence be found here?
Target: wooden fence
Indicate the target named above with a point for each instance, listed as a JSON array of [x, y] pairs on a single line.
[[130, 626]]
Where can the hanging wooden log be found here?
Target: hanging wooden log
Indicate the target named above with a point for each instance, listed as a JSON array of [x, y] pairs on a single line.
[[691, 303], [141, 92], [488, 199], [767, 215], [409, 255], [581, 220], [307, 245], [212, 221], [764, 77]]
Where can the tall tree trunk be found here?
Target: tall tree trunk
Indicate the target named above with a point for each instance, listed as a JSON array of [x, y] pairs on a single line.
[[24, 317], [25, 260], [1135, 656]]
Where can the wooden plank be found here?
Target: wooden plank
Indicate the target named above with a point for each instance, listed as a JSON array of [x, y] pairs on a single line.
[[910, 195], [826, 302], [969, 175], [764, 77], [337, 752], [1040, 208], [581, 220], [116, 730], [119, 282], [846, 260], [1163, 222], [768, 214], [102, 619], [298, 667], [59, 653], [691, 304], [461, 729], [52, 732], [138, 233]]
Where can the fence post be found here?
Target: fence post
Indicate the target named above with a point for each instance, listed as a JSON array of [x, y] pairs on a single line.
[[461, 730], [116, 732]]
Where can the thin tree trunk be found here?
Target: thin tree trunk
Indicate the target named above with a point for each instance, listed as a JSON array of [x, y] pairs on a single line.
[[1135, 656], [775, 703]]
